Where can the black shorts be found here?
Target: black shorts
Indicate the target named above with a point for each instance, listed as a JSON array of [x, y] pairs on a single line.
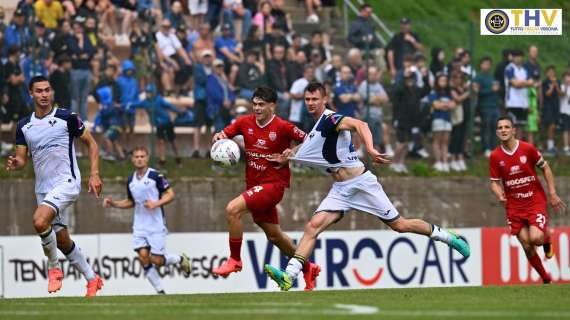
[[200, 118], [550, 114], [165, 132], [403, 134], [565, 121], [519, 116]]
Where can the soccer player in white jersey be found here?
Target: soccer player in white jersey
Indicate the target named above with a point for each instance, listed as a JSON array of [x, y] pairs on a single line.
[[48, 135], [148, 191], [328, 146]]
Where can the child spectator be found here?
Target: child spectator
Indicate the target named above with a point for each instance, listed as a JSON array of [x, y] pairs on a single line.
[[441, 104], [460, 96], [565, 111], [551, 110]]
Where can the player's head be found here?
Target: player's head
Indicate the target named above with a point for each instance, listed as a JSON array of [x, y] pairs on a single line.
[[315, 98], [264, 100], [505, 129], [140, 156], [40, 90]]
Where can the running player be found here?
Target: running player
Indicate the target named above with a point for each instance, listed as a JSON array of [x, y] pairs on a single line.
[[512, 169], [148, 191], [328, 146], [48, 135], [266, 136]]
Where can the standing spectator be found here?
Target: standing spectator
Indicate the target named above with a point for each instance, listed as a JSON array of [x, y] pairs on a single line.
[[3, 25], [129, 89], [532, 66], [487, 89], [319, 65], [551, 109], [437, 64], [140, 52], [175, 15], [403, 43], [204, 41], [460, 96], [81, 53], [43, 41], [346, 97], [296, 67], [441, 104], [295, 46], [60, 79], [565, 112], [201, 72], [174, 60], [316, 43], [234, 11], [17, 34], [517, 82], [250, 75], [297, 96], [14, 89], [59, 43], [466, 67], [375, 97], [220, 97], [277, 79], [214, 11], [507, 58], [50, 12], [361, 32], [198, 9], [333, 73]]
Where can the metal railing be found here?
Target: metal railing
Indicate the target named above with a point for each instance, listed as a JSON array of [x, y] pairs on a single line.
[[353, 6]]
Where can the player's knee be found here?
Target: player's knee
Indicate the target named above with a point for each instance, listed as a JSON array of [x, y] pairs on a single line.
[[536, 239], [145, 260], [232, 211], [156, 260], [41, 224]]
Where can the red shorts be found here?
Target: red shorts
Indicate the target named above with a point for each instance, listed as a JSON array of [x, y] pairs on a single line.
[[519, 219], [262, 202]]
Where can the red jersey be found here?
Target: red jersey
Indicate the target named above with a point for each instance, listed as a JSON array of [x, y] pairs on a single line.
[[261, 142], [517, 170]]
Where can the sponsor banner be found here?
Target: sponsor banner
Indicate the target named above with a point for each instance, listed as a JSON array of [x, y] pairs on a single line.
[[504, 261], [349, 260], [524, 22]]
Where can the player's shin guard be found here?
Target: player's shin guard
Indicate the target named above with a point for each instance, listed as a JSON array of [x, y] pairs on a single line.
[[76, 258], [153, 277], [49, 244], [295, 266], [170, 259], [537, 265], [235, 248]]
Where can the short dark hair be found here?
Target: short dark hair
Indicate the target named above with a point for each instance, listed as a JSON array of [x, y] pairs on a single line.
[[501, 118], [485, 58], [140, 148], [265, 93], [35, 80], [517, 53], [314, 86], [365, 6], [550, 67]]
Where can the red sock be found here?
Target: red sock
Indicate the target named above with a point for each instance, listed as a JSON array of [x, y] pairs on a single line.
[[306, 266], [537, 265], [235, 248]]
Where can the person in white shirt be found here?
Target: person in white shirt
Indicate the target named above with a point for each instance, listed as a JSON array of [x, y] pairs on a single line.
[[328, 146], [174, 61], [48, 134], [565, 111], [296, 93], [517, 82], [148, 192]]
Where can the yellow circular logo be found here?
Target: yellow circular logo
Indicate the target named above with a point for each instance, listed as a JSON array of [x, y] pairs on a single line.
[[497, 21]]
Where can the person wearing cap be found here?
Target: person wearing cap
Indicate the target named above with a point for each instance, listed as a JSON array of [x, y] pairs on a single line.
[[220, 97], [202, 69], [17, 34], [405, 42], [174, 60], [362, 31], [50, 12], [227, 47]]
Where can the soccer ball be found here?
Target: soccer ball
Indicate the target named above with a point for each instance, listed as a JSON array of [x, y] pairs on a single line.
[[225, 152]]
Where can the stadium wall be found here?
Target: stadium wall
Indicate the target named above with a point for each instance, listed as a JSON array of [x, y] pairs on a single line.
[[349, 260], [199, 206]]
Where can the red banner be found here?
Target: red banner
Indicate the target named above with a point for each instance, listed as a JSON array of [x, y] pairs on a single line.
[[504, 261]]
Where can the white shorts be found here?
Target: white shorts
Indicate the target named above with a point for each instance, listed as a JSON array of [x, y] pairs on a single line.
[[197, 6], [439, 125], [59, 199], [155, 241], [363, 193]]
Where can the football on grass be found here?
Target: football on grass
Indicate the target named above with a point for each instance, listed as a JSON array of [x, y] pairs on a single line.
[[225, 152]]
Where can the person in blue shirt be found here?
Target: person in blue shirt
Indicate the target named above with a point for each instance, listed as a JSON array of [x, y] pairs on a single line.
[[129, 87], [441, 104], [229, 50], [17, 33], [346, 97], [158, 109], [220, 98]]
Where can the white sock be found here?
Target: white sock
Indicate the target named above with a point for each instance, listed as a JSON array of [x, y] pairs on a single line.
[[550, 144], [77, 259], [294, 267], [171, 259], [49, 244], [440, 234], [153, 277]]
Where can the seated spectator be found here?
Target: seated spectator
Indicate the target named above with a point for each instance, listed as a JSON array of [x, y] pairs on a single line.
[[297, 66], [313, 7], [333, 72], [297, 92], [87, 9], [43, 41], [220, 97], [278, 79], [17, 34], [140, 46], [229, 50], [176, 15], [59, 81], [13, 95], [319, 65], [316, 43], [233, 12], [250, 75], [281, 18], [174, 60], [441, 104], [295, 46], [275, 38], [126, 11], [263, 18], [158, 109], [202, 69], [354, 60], [147, 9], [198, 9], [204, 41], [253, 41], [49, 12], [60, 40]]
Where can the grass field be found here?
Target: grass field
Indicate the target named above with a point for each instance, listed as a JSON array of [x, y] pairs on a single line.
[[515, 302]]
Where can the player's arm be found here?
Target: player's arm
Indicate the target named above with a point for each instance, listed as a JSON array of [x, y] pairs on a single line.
[[166, 198], [361, 127], [498, 191], [555, 201], [108, 202], [19, 160], [95, 184]]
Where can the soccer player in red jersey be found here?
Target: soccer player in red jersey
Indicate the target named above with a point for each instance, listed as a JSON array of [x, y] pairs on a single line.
[[513, 162], [266, 136]]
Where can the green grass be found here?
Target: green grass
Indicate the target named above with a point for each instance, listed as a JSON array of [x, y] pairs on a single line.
[[514, 302], [449, 24]]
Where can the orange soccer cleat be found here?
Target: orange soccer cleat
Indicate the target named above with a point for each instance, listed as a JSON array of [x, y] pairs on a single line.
[[311, 276], [54, 279], [228, 267], [93, 286]]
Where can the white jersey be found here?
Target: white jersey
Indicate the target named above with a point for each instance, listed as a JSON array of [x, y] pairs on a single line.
[[326, 146], [50, 141], [150, 187], [516, 97]]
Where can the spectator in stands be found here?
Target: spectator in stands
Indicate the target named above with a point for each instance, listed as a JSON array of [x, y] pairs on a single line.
[[50, 12], [229, 50], [517, 82], [487, 89], [235, 14], [3, 25], [333, 73], [354, 60], [33, 66], [277, 79], [59, 43], [499, 74], [158, 109], [82, 53], [296, 67], [17, 34], [281, 18], [408, 65], [565, 112], [441, 104], [551, 110], [295, 46], [318, 64], [26, 7], [263, 18], [275, 38], [250, 75], [140, 46], [297, 97], [126, 10], [373, 98], [437, 64], [361, 34], [175, 15], [346, 97], [147, 9], [220, 97], [174, 60], [94, 38], [312, 6], [202, 69], [253, 42], [460, 95], [214, 11], [466, 67], [316, 43], [13, 98], [330, 18], [198, 9], [129, 89], [532, 66], [204, 41], [405, 42], [88, 9], [60, 80]]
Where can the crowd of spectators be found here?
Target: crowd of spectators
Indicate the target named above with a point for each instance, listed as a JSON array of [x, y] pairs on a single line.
[[217, 52]]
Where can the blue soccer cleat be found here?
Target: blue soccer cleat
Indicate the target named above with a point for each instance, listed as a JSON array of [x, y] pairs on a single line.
[[280, 277], [460, 244]]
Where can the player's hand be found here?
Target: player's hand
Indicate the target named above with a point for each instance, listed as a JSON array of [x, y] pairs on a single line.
[[95, 185], [280, 158], [107, 202], [503, 199], [219, 136], [11, 163], [378, 157], [149, 204], [557, 204]]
